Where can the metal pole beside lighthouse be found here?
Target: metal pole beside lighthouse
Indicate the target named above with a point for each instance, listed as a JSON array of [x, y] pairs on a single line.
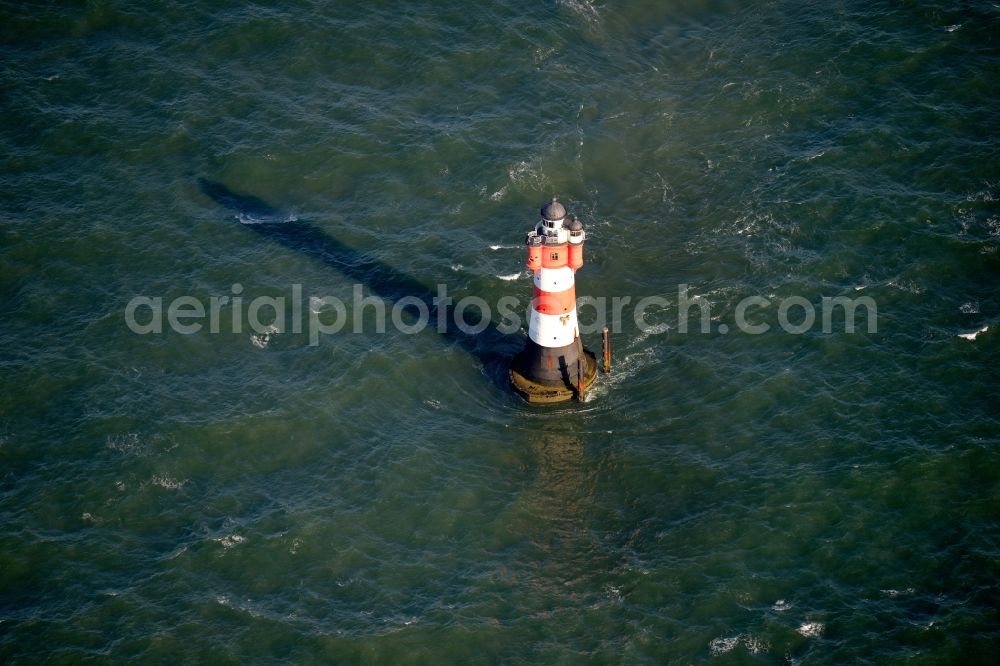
[[554, 365]]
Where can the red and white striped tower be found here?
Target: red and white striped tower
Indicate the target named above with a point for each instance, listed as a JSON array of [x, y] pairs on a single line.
[[554, 365]]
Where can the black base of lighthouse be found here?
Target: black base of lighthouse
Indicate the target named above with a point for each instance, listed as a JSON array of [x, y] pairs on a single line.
[[553, 374]]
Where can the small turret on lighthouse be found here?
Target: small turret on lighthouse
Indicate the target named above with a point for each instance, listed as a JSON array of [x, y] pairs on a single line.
[[554, 365]]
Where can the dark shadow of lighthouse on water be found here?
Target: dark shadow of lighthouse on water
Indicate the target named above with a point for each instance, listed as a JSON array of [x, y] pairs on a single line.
[[488, 347]]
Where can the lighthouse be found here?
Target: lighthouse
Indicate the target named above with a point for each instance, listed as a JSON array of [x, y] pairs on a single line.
[[554, 365]]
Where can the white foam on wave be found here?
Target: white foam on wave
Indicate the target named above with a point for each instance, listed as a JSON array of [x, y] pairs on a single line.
[[261, 340], [994, 224], [523, 173], [721, 645], [781, 606], [908, 286], [246, 218], [754, 645], [811, 629], [243, 218], [542, 54], [651, 330], [583, 8], [969, 308], [750, 224], [974, 334], [167, 482], [504, 247], [626, 365], [127, 442], [724, 644], [509, 278], [623, 368], [230, 540]]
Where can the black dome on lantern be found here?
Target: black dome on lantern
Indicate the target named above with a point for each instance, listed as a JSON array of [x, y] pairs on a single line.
[[553, 210]]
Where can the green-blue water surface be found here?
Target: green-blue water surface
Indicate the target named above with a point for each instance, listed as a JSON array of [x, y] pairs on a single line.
[[385, 498]]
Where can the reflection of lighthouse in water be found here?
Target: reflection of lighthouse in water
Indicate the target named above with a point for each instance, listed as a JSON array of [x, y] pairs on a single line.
[[554, 366]]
